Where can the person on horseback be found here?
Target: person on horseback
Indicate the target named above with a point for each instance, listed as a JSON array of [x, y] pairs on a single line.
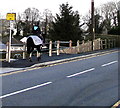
[[36, 31], [35, 41]]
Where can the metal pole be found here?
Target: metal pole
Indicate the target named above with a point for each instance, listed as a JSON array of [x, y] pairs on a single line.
[[9, 45]]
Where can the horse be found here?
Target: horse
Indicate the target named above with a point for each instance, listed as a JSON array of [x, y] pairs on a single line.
[[34, 41]]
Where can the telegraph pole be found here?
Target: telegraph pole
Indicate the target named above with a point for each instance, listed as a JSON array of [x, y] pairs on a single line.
[[118, 17], [92, 23]]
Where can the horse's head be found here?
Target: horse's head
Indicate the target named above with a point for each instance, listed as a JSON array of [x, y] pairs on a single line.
[[24, 40]]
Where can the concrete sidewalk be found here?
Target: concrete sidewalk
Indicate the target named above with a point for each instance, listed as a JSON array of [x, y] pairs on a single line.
[[45, 60]]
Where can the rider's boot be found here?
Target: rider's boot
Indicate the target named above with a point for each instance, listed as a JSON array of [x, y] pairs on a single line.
[[39, 58]]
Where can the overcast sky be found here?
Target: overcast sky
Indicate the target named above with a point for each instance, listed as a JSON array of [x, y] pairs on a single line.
[[82, 6]]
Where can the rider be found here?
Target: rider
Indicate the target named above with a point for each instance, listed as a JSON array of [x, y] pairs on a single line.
[[36, 31]]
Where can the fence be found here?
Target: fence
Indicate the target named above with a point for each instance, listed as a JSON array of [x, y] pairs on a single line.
[[87, 46], [109, 37], [79, 48], [15, 48]]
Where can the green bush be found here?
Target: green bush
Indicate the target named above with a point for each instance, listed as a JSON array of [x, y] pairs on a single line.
[[115, 31]]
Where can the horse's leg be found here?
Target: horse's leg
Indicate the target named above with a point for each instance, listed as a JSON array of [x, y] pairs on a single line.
[[30, 53], [30, 47], [38, 53], [38, 56]]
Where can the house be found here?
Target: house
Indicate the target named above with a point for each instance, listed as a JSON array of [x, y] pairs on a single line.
[[104, 31]]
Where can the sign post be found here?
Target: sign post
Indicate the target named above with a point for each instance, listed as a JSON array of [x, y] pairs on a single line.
[[10, 17]]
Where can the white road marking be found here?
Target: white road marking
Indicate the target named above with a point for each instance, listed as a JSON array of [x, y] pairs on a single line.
[[24, 90], [81, 72], [109, 63]]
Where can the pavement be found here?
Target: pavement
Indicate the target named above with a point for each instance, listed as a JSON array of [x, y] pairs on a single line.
[[18, 64]]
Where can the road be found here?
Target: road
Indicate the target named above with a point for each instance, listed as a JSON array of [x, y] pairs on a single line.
[[88, 82]]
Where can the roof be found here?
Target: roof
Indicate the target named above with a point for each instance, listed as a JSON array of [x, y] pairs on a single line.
[[14, 41]]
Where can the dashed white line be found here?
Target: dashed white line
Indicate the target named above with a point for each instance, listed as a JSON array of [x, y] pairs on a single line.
[[81, 73], [109, 63], [47, 83], [24, 90]]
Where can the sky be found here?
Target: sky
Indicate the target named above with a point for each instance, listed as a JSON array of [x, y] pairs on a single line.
[[19, 6]]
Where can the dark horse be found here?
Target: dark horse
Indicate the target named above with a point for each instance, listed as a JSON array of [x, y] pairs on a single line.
[[31, 45], [35, 41]]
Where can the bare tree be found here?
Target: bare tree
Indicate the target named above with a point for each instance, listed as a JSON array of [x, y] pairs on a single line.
[[18, 23], [118, 13], [87, 20], [31, 16], [109, 15], [118, 5], [47, 20]]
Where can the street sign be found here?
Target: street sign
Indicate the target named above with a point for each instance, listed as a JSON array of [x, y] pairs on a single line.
[[11, 16]]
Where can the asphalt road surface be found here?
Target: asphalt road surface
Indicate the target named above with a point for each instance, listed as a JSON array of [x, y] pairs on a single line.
[[88, 82]]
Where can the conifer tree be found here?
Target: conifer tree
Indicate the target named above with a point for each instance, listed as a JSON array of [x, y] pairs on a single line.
[[66, 25]]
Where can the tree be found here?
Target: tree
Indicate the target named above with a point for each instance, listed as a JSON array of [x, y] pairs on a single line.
[[118, 13], [108, 11], [97, 23], [106, 18], [31, 16], [18, 24], [116, 28], [97, 19], [66, 25], [114, 31], [87, 21], [47, 20]]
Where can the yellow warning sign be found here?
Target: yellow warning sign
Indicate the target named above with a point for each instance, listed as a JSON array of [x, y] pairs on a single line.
[[11, 16]]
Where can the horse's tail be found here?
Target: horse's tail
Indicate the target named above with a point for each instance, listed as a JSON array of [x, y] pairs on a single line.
[[30, 45]]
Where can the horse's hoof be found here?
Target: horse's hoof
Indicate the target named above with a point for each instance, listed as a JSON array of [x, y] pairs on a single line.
[[30, 59]]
